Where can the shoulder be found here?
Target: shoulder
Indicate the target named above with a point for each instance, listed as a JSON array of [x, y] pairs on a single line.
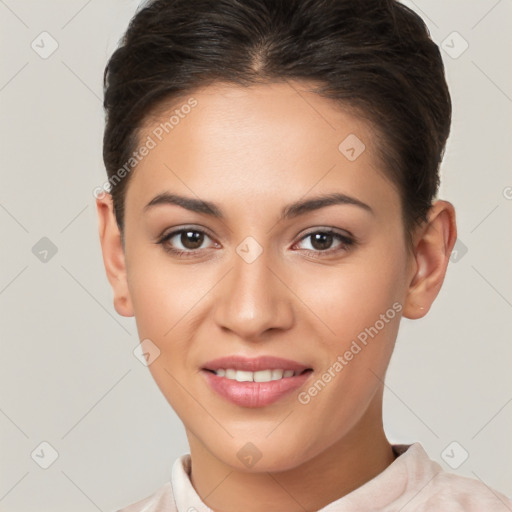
[[454, 493], [160, 501], [431, 488]]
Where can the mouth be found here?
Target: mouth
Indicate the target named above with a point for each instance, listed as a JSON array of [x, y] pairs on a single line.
[[255, 382], [266, 375]]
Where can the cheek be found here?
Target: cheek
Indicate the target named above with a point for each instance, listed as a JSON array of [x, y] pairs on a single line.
[[162, 292], [163, 297], [352, 296], [360, 303]]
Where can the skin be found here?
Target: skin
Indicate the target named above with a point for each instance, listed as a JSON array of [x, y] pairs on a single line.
[[253, 151]]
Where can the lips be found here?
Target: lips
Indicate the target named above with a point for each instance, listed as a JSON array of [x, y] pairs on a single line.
[[233, 379]]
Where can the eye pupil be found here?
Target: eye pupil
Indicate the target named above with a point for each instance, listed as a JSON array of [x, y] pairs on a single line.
[[194, 237], [321, 241]]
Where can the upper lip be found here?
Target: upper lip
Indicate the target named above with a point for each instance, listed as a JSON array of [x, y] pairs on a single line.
[[255, 364]]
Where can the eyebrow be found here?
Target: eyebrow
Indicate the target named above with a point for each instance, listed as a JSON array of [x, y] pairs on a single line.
[[290, 211]]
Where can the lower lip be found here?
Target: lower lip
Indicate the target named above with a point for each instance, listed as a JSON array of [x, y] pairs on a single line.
[[254, 394]]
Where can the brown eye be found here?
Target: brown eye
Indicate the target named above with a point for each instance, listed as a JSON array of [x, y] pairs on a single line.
[[323, 241], [184, 242], [191, 239]]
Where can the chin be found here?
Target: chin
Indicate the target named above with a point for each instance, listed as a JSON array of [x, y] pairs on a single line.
[[262, 455]]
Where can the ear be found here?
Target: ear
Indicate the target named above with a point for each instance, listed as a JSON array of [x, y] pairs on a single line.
[[433, 245], [113, 255]]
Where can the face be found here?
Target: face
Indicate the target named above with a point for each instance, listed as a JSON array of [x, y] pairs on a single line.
[[252, 277]]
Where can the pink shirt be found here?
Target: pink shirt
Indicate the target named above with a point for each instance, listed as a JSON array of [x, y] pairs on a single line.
[[411, 483]]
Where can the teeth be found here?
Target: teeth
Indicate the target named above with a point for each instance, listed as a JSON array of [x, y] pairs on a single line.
[[262, 376], [259, 376], [242, 376], [277, 374]]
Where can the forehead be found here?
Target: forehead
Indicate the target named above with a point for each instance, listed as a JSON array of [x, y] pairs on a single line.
[[265, 139]]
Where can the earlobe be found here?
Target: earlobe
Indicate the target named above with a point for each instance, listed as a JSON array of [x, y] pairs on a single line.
[[113, 255], [432, 250]]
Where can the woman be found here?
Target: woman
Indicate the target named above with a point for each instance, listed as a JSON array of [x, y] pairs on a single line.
[[271, 216]]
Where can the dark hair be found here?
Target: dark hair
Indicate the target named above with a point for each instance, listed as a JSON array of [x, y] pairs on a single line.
[[375, 56]]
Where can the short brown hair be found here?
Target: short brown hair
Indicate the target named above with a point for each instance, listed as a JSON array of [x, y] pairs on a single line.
[[373, 55]]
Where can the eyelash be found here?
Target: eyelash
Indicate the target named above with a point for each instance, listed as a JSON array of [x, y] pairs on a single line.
[[346, 242]]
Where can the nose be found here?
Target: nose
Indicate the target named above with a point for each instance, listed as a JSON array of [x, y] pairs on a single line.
[[253, 298]]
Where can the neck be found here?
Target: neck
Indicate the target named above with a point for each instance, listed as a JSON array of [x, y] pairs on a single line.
[[346, 465]]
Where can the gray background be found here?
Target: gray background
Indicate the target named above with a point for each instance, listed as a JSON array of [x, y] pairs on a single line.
[[68, 375]]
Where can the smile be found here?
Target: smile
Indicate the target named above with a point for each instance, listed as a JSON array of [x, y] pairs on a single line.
[[254, 382], [259, 376]]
